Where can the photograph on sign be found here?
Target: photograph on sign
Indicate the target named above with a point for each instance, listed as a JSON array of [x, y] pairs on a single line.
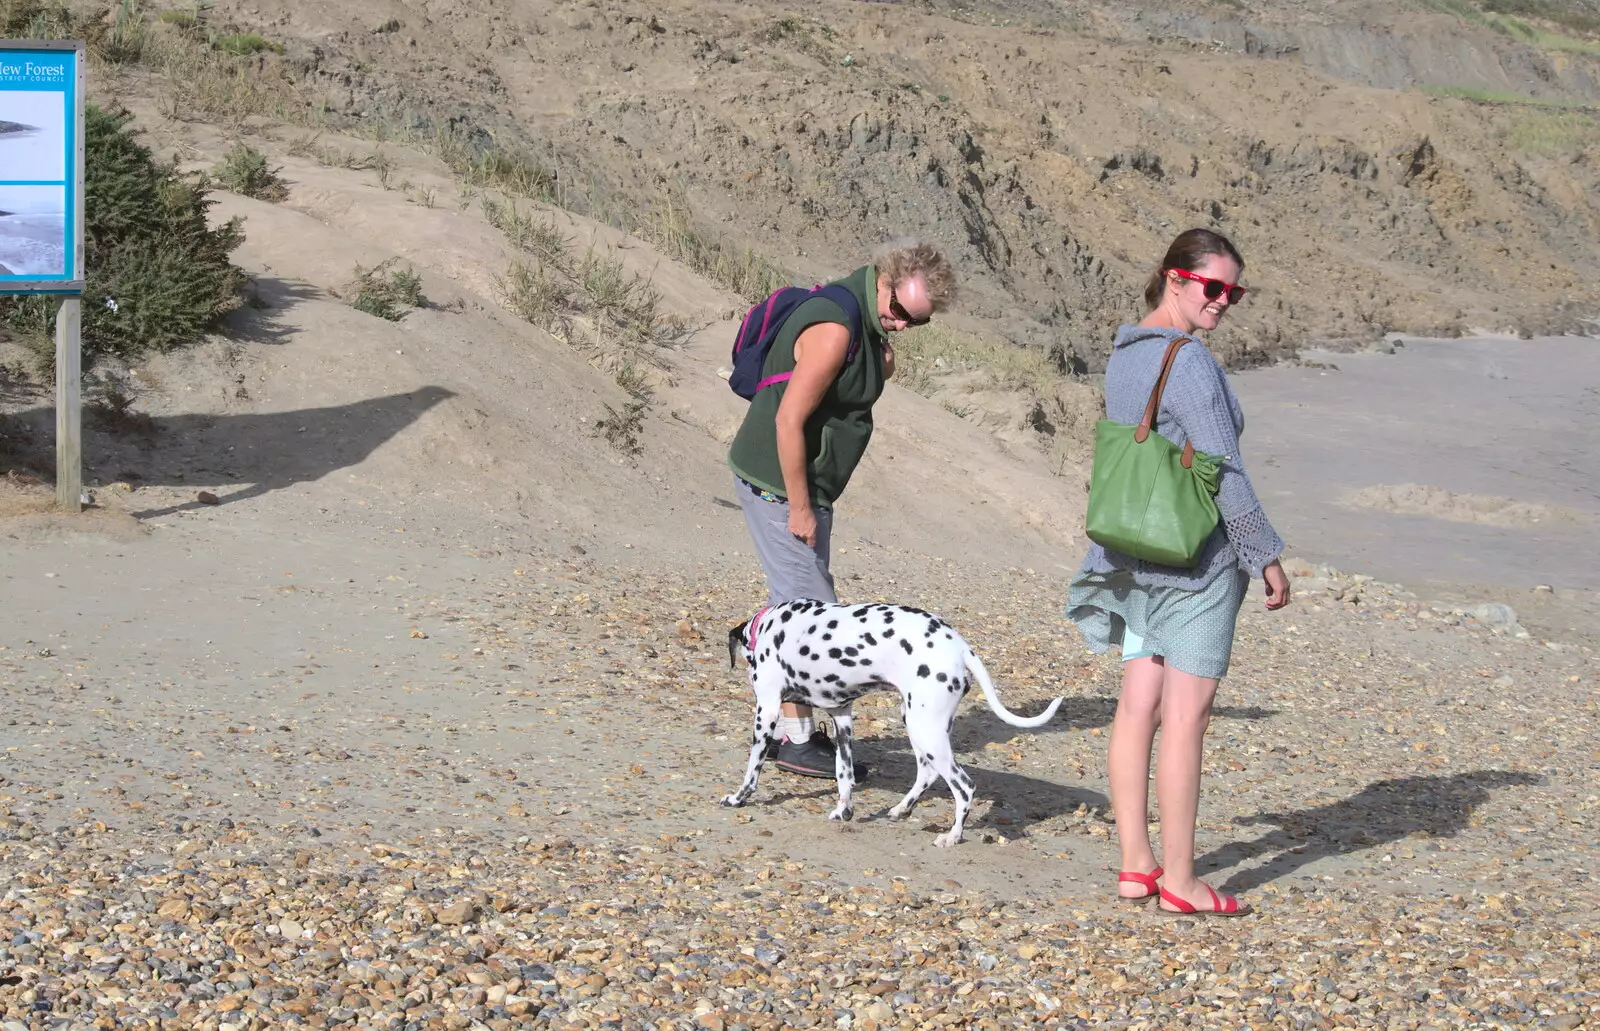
[[33, 136], [40, 187], [33, 231]]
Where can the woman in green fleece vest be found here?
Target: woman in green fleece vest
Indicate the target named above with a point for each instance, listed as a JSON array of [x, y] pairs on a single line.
[[803, 437]]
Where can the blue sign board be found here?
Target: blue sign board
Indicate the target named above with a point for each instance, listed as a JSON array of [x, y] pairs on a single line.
[[41, 166]]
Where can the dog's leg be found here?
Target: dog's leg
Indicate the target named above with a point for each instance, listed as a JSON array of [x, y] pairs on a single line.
[[925, 771], [929, 734], [762, 735], [844, 766]]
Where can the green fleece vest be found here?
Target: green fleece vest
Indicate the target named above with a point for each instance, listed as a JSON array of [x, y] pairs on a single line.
[[838, 431]]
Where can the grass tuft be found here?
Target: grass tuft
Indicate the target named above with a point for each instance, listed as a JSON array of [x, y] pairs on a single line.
[[1483, 96], [1556, 133], [245, 171], [670, 227], [385, 291]]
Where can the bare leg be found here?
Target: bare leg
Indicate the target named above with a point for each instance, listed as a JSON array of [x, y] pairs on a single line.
[[798, 712], [1133, 733], [1185, 715]]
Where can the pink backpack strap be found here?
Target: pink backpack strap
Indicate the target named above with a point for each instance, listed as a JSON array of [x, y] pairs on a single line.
[[779, 377]]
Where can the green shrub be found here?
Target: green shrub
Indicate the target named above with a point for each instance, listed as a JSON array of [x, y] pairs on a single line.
[[158, 274], [386, 292], [243, 44], [245, 171]]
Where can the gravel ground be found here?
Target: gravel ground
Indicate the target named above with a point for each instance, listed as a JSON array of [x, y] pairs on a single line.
[[359, 779]]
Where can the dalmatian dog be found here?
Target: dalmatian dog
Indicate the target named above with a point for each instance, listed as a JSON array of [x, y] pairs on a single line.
[[828, 655]]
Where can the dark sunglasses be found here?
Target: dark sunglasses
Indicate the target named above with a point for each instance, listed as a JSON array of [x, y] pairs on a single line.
[[899, 312], [1213, 288]]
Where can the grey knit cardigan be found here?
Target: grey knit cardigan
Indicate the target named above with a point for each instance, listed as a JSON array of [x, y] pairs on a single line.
[[1197, 405]]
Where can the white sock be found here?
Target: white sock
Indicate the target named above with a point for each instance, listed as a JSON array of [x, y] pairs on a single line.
[[797, 728]]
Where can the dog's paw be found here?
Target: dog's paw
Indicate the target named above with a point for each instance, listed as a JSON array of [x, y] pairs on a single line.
[[731, 801], [898, 814], [949, 839], [842, 814]]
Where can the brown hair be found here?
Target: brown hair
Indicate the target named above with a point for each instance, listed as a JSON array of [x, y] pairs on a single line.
[[899, 260], [1192, 247]]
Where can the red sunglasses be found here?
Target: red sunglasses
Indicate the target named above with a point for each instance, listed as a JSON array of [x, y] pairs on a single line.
[[1213, 288]]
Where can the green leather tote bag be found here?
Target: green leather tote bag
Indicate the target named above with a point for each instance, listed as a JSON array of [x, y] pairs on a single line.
[[1147, 498]]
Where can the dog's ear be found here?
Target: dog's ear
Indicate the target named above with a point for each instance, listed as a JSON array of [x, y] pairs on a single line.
[[736, 643]]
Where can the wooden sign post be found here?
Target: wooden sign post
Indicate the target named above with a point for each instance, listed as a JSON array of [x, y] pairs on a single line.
[[42, 86], [69, 403]]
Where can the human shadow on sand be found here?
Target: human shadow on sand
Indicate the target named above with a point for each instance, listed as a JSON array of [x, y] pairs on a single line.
[[1384, 811], [274, 450]]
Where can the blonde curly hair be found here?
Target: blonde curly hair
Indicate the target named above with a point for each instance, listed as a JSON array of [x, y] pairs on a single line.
[[899, 260]]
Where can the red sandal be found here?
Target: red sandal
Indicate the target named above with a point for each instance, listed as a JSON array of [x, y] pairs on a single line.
[[1221, 905], [1146, 879]]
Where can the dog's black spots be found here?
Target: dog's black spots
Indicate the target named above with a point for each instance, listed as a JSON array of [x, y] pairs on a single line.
[[868, 662], [930, 642], [788, 614], [804, 675], [834, 653], [888, 632], [852, 651], [942, 677], [933, 626], [827, 637], [833, 678], [871, 641], [847, 662], [805, 651], [777, 642], [955, 685], [923, 670], [833, 624], [906, 645], [862, 611]]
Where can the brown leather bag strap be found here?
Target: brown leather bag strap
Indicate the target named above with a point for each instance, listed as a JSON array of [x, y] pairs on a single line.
[[1149, 421]]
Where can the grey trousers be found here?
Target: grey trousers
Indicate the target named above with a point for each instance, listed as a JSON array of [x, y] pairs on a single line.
[[794, 571]]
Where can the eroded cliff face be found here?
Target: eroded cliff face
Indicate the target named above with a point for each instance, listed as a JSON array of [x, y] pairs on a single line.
[[1054, 149]]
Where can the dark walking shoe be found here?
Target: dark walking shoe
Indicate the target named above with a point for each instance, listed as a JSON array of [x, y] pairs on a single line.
[[812, 758]]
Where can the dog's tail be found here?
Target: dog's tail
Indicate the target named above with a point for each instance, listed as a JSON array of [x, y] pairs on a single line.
[[736, 643], [975, 667]]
